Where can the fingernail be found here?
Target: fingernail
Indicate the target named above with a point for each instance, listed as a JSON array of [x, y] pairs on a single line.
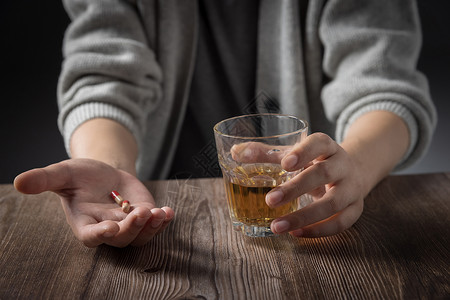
[[275, 197], [281, 226], [247, 154], [156, 223], [290, 161]]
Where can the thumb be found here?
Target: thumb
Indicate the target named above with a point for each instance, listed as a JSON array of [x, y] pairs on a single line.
[[51, 178], [257, 152]]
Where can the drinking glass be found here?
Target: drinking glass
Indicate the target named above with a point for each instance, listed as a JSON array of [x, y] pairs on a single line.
[[250, 149]]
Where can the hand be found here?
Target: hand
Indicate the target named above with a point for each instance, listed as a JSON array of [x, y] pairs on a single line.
[[331, 177], [337, 176], [84, 187]]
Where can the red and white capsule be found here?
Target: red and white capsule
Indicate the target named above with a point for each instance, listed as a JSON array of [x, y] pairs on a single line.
[[125, 204], [116, 196]]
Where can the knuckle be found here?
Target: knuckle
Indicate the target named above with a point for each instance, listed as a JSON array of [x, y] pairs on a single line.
[[88, 242], [322, 143], [322, 138], [83, 238], [299, 220], [324, 170], [334, 206], [291, 190], [296, 190]]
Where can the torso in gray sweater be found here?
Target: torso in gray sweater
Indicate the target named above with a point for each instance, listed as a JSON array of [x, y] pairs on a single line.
[[327, 62]]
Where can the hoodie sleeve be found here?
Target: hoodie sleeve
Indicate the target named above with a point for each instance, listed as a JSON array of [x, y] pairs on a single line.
[[371, 50], [109, 69]]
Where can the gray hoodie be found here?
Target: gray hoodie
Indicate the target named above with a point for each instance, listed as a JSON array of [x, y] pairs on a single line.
[[327, 62]]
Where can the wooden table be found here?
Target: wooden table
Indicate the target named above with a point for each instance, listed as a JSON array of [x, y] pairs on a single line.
[[399, 249]]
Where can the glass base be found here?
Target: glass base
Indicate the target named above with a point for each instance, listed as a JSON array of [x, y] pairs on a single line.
[[253, 231]]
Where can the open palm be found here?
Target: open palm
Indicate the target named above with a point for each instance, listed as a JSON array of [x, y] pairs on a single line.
[[84, 186]]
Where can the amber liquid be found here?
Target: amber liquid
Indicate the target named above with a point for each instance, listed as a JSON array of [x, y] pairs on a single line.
[[247, 192]]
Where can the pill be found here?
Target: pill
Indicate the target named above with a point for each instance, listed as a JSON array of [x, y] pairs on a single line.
[[117, 197], [126, 206]]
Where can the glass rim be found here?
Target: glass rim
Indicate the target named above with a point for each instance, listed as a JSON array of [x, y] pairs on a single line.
[[303, 122]]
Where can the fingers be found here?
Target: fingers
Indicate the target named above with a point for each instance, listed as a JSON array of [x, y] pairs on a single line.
[[93, 235], [170, 214], [113, 233], [313, 178], [119, 234], [324, 162], [333, 202], [329, 175], [317, 146], [151, 228], [255, 152], [333, 225], [299, 224], [137, 229], [131, 227], [338, 208]]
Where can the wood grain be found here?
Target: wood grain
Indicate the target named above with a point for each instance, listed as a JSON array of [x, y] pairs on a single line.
[[39, 258], [399, 249]]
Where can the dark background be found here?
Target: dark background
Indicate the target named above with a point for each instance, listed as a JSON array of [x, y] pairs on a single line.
[[32, 33]]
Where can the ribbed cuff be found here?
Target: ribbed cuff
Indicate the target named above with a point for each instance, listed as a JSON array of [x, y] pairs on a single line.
[[92, 110], [360, 108]]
